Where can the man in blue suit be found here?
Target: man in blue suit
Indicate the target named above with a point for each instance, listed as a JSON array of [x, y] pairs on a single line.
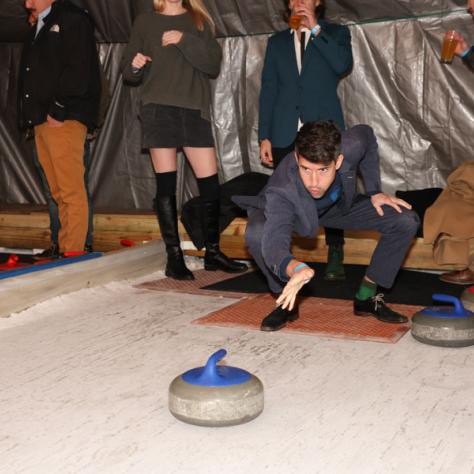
[[316, 186], [302, 69]]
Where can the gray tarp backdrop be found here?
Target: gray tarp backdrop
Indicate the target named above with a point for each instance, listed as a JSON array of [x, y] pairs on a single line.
[[422, 111]]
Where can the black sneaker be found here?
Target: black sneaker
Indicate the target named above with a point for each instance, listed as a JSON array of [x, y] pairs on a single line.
[[376, 306], [278, 318]]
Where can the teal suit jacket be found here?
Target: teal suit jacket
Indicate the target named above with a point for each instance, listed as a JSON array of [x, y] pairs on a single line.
[[286, 95]]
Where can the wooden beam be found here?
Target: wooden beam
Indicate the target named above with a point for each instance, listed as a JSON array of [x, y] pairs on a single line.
[[30, 229]]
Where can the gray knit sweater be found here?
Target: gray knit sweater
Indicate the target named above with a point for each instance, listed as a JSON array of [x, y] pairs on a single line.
[[178, 74]]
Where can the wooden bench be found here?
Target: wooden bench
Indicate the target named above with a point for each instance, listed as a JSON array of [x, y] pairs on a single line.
[[26, 227]]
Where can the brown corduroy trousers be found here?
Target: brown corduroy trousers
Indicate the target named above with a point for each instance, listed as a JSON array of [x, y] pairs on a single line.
[[61, 154]]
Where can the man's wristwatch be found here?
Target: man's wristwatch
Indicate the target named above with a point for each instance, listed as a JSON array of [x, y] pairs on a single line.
[[315, 30]]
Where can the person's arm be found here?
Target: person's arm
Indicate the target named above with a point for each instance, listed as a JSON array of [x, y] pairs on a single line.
[[135, 46], [268, 93], [468, 58], [202, 51], [277, 233], [364, 145], [335, 47], [77, 60], [465, 52]]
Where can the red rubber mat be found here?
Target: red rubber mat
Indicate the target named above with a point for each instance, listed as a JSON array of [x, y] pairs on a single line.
[[318, 316], [194, 287]]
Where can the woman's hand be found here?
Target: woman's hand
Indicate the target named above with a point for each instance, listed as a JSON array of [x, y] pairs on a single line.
[[140, 60], [171, 37]]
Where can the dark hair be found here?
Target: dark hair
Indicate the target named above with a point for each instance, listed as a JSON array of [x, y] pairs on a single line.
[[319, 10], [319, 142]]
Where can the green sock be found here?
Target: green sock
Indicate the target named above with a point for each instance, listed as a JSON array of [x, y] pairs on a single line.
[[367, 289]]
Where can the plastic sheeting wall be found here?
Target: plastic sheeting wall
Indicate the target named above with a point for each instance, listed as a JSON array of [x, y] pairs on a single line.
[[422, 111]]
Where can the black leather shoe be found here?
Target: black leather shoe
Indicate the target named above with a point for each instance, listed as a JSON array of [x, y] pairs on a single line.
[[51, 252], [278, 318], [214, 260], [376, 306], [175, 266]]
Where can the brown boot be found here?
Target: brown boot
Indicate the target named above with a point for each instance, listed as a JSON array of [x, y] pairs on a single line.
[[460, 277]]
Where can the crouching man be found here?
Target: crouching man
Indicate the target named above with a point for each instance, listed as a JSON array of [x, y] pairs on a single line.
[[316, 186]]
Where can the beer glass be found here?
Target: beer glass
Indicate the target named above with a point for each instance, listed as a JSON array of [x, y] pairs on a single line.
[[449, 45], [294, 21]]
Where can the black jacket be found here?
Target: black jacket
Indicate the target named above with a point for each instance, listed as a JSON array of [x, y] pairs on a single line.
[[60, 73]]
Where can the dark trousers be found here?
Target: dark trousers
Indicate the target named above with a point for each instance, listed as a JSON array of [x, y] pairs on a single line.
[[54, 223], [397, 232], [333, 236]]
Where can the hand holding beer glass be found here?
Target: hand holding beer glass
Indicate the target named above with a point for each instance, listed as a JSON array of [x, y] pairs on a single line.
[[294, 22], [302, 14], [450, 43]]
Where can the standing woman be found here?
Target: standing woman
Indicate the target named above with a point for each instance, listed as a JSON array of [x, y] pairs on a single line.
[[174, 53]]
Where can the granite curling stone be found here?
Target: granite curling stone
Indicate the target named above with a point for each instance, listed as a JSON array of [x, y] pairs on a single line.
[[444, 326], [216, 395], [467, 298]]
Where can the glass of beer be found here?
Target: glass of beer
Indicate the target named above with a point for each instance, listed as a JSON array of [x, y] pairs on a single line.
[[294, 21], [449, 45]]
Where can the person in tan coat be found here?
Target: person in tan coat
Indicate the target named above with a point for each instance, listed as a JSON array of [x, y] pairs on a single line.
[[449, 226]]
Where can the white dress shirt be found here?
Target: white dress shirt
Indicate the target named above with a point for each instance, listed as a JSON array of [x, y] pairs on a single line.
[[298, 54], [41, 17]]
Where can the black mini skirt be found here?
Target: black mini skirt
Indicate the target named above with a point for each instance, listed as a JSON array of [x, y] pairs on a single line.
[[166, 126]]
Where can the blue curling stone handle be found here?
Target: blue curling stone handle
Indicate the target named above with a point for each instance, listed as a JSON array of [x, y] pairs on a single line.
[[459, 311], [213, 375]]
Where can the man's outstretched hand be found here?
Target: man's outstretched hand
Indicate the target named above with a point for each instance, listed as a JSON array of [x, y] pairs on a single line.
[[294, 285], [382, 199]]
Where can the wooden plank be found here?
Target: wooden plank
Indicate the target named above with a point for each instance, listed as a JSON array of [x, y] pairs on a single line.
[[31, 230]]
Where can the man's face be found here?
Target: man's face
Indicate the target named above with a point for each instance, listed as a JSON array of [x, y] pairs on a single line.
[[316, 177], [37, 6], [311, 4], [470, 7]]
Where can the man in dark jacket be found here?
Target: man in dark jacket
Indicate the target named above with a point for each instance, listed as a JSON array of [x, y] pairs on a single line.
[[316, 186], [59, 97], [302, 69]]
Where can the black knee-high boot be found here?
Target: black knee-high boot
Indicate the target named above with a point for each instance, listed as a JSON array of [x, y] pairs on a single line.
[[168, 220], [214, 259]]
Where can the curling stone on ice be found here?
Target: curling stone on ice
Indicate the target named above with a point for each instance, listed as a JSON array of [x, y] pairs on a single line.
[[444, 325], [467, 298], [216, 395]]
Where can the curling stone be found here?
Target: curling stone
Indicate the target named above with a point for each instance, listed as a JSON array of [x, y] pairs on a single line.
[[444, 325], [467, 298], [216, 395]]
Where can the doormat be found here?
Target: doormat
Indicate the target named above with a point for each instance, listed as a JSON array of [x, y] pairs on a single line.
[[195, 287], [322, 317]]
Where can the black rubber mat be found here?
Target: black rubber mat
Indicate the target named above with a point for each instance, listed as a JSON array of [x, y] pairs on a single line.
[[411, 288]]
